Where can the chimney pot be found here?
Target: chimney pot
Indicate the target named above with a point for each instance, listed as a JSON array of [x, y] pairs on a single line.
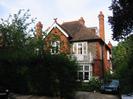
[[39, 27]]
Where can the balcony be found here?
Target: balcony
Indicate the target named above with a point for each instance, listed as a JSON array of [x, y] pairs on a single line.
[[83, 58]]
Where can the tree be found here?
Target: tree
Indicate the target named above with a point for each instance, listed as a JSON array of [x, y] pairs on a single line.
[[15, 50], [123, 60], [25, 67], [15, 29], [122, 19], [122, 26], [16, 32]]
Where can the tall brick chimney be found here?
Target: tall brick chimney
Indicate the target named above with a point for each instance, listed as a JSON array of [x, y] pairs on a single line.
[[38, 30], [101, 26], [81, 21]]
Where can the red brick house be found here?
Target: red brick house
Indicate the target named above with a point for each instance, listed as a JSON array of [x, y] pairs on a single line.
[[85, 44]]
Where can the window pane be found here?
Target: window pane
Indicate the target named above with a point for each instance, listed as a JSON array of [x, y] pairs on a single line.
[[81, 68], [87, 68], [86, 75], [80, 48], [85, 48], [80, 75]]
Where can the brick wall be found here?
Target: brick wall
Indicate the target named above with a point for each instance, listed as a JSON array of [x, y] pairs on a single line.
[[64, 45], [101, 65]]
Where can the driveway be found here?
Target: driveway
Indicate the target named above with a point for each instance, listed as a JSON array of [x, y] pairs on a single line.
[[91, 95], [79, 95]]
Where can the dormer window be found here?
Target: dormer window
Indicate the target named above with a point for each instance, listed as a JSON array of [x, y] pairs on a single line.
[[55, 46]]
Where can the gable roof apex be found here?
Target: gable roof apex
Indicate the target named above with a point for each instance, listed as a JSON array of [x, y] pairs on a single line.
[[56, 25]]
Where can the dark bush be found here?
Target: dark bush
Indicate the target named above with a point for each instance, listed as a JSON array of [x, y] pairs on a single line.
[[93, 85], [50, 75], [54, 75]]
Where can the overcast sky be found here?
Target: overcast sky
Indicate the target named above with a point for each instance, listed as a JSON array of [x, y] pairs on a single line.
[[65, 10]]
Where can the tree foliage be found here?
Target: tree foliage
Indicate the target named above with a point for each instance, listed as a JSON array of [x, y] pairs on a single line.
[[16, 50], [122, 61], [122, 19], [16, 29], [24, 66]]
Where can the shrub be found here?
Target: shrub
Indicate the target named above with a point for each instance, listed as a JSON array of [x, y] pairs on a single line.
[[93, 85], [49, 75]]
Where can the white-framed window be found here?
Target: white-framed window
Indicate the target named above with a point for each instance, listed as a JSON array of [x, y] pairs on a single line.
[[81, 68], [85, 72], [80, 48], [80, 75], [55, 47], [86, 75], [86, 68]]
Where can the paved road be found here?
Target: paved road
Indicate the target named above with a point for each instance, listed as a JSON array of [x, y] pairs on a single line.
[[90, 95], [79, 95]]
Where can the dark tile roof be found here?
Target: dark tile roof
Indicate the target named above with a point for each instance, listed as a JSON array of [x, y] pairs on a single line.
[[78, 31]]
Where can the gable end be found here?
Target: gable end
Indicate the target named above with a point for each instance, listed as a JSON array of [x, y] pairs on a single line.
[[55, 25]]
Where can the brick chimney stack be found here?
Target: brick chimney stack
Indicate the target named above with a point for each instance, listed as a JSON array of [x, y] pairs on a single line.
[[38, 28], [81, 21], [101, 26]]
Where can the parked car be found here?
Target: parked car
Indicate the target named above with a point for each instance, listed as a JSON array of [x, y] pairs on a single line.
[[3, 93], [111, 87]]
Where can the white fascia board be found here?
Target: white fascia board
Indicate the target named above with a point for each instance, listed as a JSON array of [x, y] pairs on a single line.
[[56, 25]]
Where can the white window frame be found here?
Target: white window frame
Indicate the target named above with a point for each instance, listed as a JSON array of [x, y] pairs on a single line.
[[83, 71], [80, 48], [54, 45]]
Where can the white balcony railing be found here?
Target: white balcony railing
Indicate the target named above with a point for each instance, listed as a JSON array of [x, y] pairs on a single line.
[[84, 58]]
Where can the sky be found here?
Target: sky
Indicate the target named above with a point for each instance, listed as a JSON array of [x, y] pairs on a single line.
[[64, 10]]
